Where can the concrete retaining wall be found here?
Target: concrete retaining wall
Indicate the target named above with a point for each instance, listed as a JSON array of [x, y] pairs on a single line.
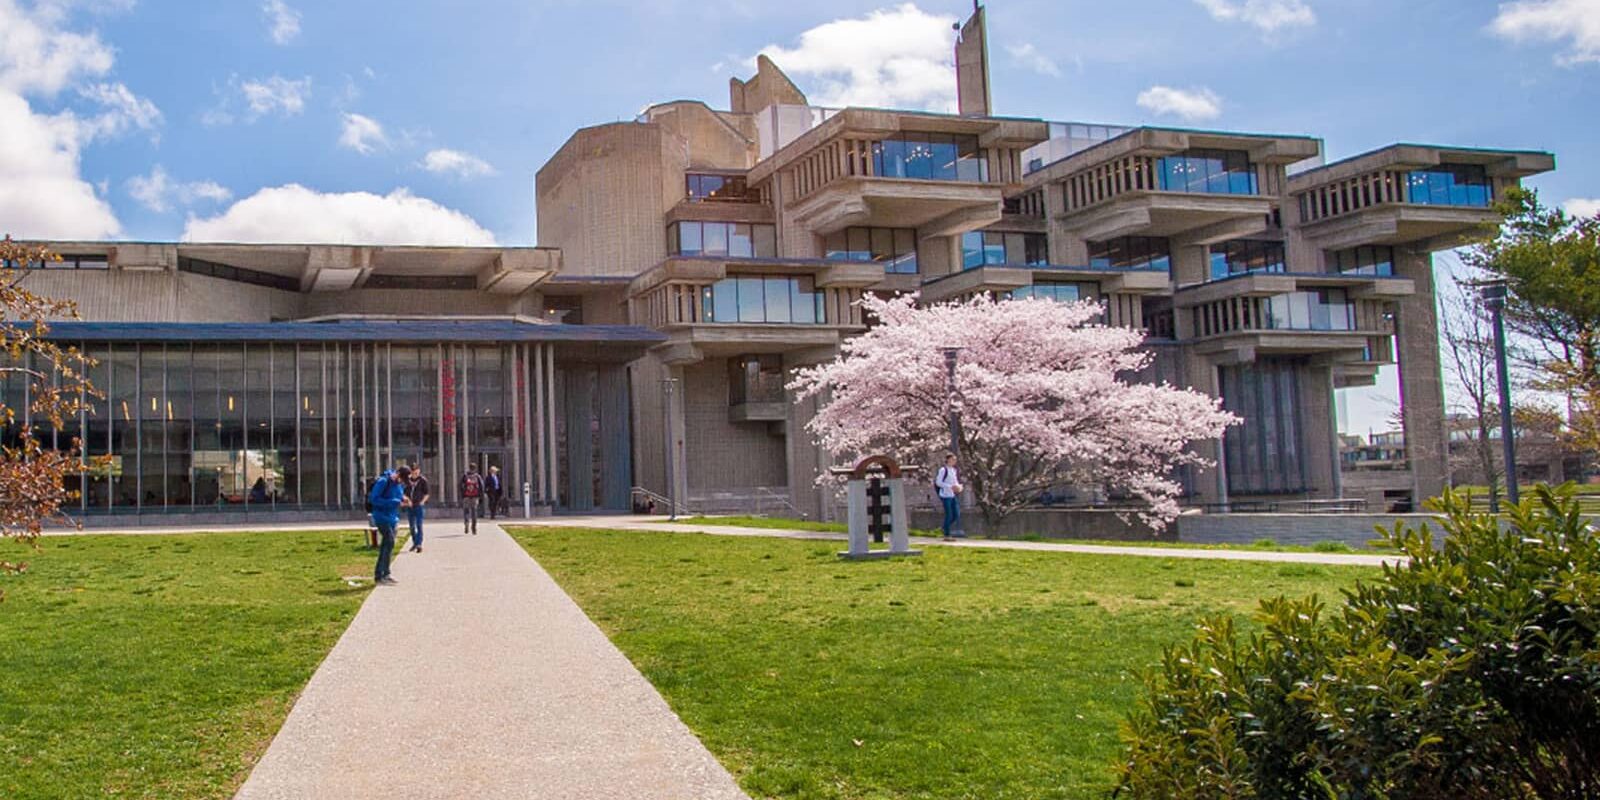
[[1355, 530]]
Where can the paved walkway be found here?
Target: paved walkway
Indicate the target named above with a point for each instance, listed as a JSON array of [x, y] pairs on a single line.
[[479, 677], [642, 523]]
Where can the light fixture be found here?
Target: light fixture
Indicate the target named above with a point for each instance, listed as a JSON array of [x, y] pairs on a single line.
[[230, 402]]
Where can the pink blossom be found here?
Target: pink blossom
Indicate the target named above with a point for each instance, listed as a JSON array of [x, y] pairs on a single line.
[[1045, 401]]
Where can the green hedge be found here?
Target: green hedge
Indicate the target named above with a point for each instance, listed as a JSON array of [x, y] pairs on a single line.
[[1472, 671]]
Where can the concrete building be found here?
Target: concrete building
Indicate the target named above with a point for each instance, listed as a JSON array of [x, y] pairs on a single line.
[[689, 259]]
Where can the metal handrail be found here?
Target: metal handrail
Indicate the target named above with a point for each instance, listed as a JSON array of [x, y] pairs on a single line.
[[783, 500], [661, 500]]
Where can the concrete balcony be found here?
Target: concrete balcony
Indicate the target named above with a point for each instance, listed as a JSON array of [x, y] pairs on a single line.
[[1374, 198], [1145, 182], [934, 208], [1273, 315]]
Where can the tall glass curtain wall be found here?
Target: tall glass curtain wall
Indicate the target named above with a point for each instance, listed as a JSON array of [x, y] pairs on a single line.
[[284, 426], [1262, 453]]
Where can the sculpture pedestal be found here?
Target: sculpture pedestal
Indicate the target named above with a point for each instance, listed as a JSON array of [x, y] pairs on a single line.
[[863, 511]]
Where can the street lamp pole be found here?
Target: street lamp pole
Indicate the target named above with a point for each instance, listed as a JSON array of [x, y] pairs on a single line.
[[952, 401], [1493, 294], [669, 386]]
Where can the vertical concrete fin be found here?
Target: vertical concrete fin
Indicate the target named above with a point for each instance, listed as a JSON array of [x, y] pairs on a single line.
[[972, 66]]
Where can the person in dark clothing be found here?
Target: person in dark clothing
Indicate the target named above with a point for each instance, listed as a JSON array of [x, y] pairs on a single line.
[[258, 491], [417, 493], [494, 490], [387, 497], [471, 495]]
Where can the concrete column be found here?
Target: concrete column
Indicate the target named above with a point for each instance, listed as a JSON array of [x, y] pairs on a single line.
[[804, 458], [1190, 264], [1320, 452], [1421, 385], [1211, 483]]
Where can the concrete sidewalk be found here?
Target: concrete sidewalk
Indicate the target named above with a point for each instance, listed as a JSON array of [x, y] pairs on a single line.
[[644, 523], [479, 677]]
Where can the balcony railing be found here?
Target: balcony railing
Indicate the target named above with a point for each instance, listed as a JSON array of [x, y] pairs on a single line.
[[1326, 310], [747, 300], [1177, 173], [1445, 186]]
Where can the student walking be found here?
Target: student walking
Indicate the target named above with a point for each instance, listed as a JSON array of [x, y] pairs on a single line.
[[949, 485], [471, 496], [387, 497], [417, 493], [493, 490]]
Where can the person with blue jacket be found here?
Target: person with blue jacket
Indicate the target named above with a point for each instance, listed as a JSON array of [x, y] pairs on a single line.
[[387, 497]]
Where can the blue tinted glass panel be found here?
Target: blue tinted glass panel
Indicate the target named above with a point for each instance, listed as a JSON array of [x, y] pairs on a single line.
[[725, 300], [689, 239], [739, 241], [778, 299], [752, 301], [944, 159]]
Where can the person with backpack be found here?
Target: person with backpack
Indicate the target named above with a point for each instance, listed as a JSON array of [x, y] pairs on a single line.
[[494, 490], [471, 494], [949, 486], [417, 493], [387, 497]]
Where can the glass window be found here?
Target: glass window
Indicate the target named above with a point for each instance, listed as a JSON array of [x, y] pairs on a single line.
[[1450, 185], [764, 241], [690, 241], [1366, 260], [804, 301], [1320, 310], [778, 299], [1242, 256], [752, 302], [1059, 292], [739, 242], [1207, 171], [716, 238], [930, 156], [895, 248], [1131, 252]]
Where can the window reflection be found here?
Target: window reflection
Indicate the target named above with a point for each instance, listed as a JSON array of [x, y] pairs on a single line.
[[704, 188], [734, 239], [1450, 185], [1242, 256], [1319, 310], [1060, 292], [931, 156], [1131, 252], [895, 248], [986, 248], [1207, 172], [1366, 260], [780, 299]]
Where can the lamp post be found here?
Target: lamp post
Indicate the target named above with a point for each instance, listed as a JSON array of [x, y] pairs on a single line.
[[1493, 294], [669, 386], [952, 402]]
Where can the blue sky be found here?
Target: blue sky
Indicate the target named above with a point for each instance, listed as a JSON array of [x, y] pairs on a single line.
[[359, 119]]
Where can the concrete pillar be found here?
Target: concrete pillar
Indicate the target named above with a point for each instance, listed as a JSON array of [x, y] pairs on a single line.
[[804, 459], [1319, 453], [1210, 484], [1190, 264], [1421, 385]]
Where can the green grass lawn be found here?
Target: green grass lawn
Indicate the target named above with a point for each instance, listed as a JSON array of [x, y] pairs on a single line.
[[961, 674], [786, 523], [161, 666]]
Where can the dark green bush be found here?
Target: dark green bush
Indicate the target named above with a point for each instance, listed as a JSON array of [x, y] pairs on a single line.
[[1471, 671]]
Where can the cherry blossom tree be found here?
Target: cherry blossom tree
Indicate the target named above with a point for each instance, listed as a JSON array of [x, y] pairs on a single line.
[[1045, 400]]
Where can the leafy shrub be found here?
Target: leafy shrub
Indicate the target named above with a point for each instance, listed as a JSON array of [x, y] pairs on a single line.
[[1470, 672], [1331, 547]]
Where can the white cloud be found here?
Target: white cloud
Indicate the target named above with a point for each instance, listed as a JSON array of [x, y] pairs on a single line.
[[157, 191], [362, 134], [1582, 207], [283, 22], [42, 192], [900, 57], [1028, 56], [294, 214], [1575, 22], [276, 95], [38, 57], [124, 110], [463, 165], [1266, 15], [1192, 105]]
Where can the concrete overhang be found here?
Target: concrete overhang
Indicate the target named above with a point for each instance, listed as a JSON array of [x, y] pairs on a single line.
[[977, 279], [935, 208], [1514, 164], [1360, 287], [516, 271], [1204, 218], [687, 210], [1254, 343], [1423, 227], [1355, 373], [687, 344]]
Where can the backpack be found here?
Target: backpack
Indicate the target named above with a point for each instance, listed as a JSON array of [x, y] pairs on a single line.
[[372, 488], [471, 485]]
